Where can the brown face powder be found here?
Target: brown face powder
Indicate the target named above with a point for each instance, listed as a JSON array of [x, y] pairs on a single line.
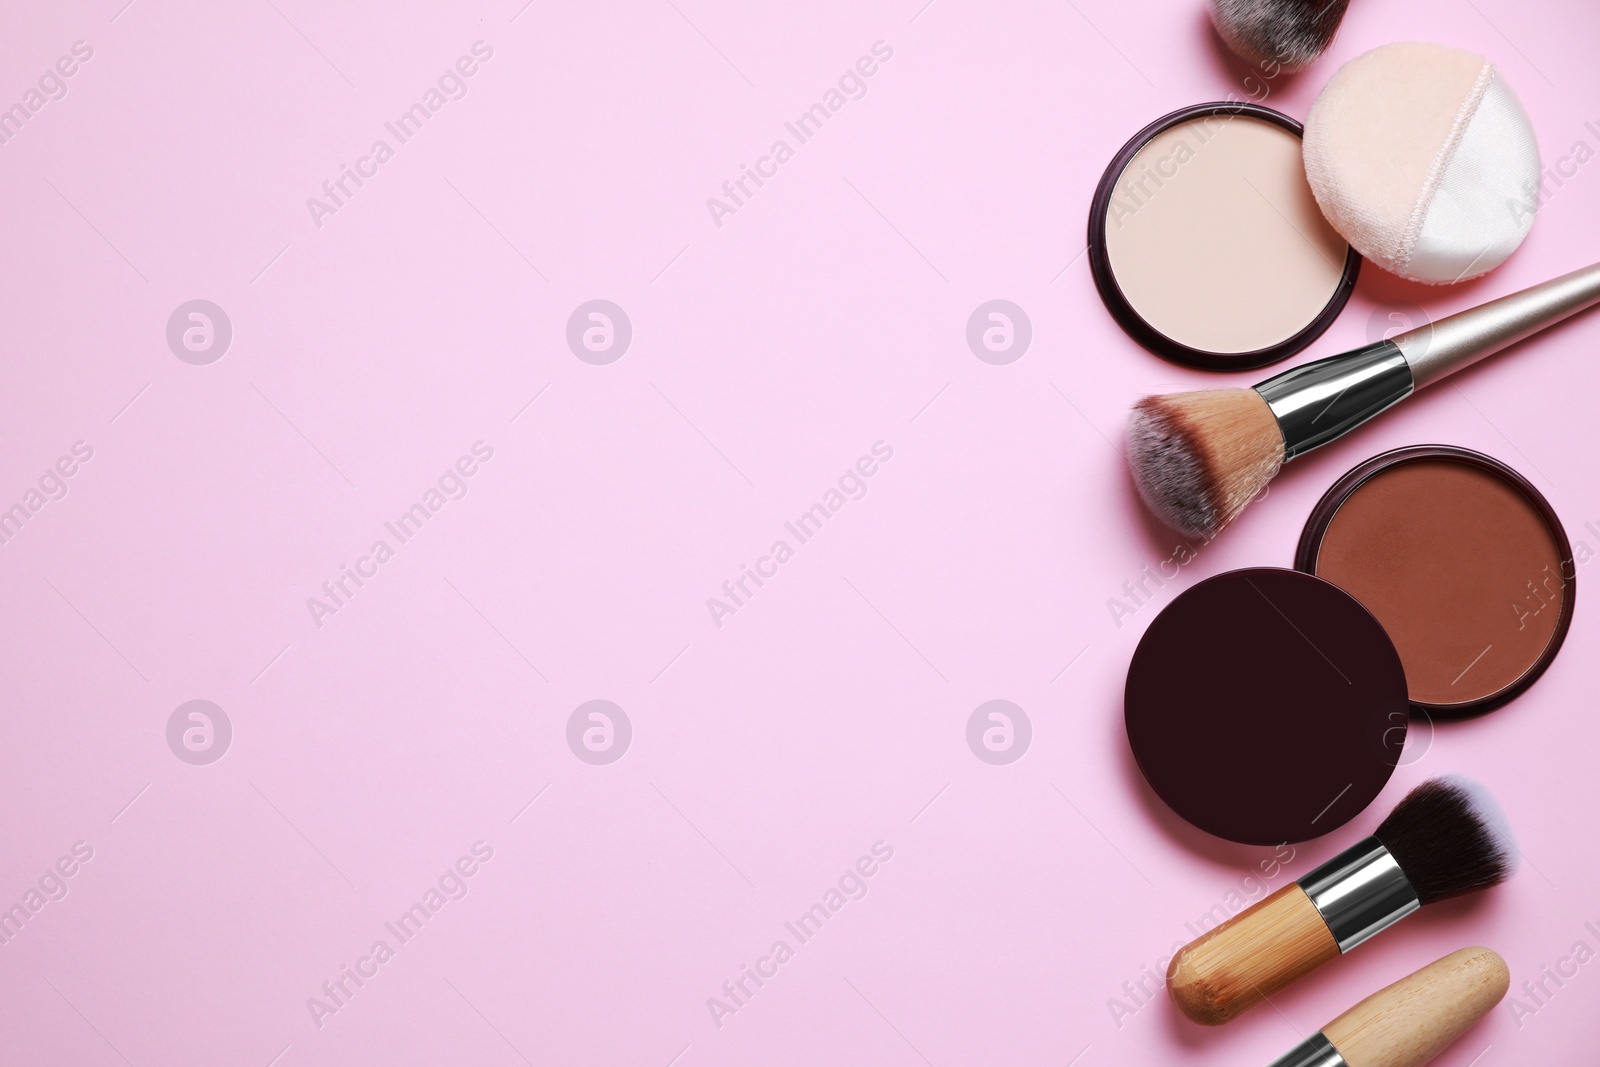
[[1206, 235], [1461, 560]]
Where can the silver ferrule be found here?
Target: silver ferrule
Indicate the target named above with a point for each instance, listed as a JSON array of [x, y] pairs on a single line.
[[1320, 401], [1314, 1051], [1444, 347], [1359, 892]]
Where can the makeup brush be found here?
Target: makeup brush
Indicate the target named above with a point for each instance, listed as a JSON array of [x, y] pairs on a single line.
[[1290, 33], [1410, 1022], [1445, 838], [1199, 458]]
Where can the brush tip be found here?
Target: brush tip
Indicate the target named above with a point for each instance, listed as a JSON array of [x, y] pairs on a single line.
[[1450, 837], [1489, 813], [1198, 458], [1290, 34]]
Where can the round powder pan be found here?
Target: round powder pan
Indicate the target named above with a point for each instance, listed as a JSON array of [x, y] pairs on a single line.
[[1207, 245], [1461, 559], [1266, 706]]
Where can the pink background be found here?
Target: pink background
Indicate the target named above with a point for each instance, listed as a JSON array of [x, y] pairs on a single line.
[[829, 713]]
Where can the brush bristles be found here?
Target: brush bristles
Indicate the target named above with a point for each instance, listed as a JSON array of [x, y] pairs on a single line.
[[1449, 837], [1288, 33], [1199, 458]]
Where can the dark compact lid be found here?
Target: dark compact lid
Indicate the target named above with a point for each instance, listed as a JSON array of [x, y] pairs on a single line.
[[1128, 317], [1266, 706]]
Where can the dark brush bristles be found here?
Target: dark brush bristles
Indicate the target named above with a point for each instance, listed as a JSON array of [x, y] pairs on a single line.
[[1449, 837], [1290, 34], [1199, 458]]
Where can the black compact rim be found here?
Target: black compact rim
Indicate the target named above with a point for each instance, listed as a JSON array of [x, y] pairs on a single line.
[[1310, 547], [1132, 323]]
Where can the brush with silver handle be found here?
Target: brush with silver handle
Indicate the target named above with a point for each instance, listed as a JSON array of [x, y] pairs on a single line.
[[1199, 458]]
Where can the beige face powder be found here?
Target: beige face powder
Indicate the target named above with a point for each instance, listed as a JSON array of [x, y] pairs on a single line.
[[1210, 238]]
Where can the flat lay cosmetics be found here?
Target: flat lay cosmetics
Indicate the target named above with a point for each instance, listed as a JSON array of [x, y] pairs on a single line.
[[1198, 458], [1195, 203], [1424, 159], [1446, 837], [1409, 1023], [1277, 34], [1463, 562], [1266, 706]]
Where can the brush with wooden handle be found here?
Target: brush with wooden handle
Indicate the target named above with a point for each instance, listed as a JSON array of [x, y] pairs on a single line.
[[1198, 458], [1445, 837], [1410, 1022]]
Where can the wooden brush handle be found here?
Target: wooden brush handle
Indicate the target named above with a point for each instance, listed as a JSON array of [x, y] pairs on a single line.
[[1409, 1023], [1250, 957]]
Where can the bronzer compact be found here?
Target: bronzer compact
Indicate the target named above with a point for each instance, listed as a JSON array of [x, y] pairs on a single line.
[[1461, 560], [1269, 705], [1207, 244]]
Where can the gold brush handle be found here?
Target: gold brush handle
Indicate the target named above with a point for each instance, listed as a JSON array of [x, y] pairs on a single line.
[[1409, 1023], [1250, 957]]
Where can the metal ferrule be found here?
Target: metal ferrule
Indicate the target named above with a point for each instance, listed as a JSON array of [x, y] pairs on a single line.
[[1359, 892], [1314, 1051], [1320, 401]]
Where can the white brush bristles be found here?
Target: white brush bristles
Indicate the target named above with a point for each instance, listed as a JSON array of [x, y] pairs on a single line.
[[1492, 816], [1449, 837], [1199, 458]]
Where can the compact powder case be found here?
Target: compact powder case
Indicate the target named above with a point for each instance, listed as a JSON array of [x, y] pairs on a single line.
[[1266, 706], [1207, 245], [1461, 559]]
